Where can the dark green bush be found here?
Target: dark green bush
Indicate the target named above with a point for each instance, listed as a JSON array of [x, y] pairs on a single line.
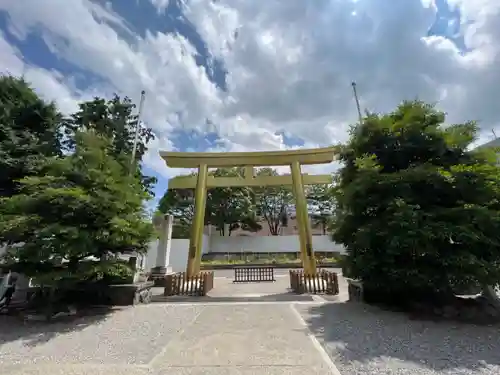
[[417, 211]]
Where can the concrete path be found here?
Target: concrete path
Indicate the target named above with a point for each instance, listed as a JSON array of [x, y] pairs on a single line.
[[161, 339], [249, 329]]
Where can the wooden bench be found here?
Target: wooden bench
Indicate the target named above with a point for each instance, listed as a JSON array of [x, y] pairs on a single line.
[[253, 274]]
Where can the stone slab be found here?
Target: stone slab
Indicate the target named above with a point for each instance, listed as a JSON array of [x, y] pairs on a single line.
[[134, 370], [245, 370], [226, 288], [251, 335]]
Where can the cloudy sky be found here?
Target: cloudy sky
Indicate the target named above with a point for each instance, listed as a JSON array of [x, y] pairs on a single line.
[[242, 75]]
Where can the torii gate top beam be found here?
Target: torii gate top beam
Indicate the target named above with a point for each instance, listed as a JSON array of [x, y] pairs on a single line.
[[257, 159]]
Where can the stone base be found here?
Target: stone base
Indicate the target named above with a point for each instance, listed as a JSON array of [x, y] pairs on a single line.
[[81, 300], [131, 294], [355, 290], [161, 270], [158, 275], [159, 282]]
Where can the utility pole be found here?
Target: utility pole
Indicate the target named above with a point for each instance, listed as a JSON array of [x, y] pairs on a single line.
[[360, 117], [137, 128]]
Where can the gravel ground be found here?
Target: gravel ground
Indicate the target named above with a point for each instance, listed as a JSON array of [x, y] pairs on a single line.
[[363, 340], [248, 338], [126, 336]]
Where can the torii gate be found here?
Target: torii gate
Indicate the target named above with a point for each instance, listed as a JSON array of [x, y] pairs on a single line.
[[249, 160]]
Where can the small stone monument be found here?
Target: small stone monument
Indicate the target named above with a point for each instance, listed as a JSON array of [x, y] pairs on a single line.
[[162, 266]]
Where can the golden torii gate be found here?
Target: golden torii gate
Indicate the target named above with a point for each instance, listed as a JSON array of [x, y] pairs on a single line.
[[202, 181]]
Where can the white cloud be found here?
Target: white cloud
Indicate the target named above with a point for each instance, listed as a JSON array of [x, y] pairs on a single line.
[[153, 159], [290, 64], [479, 87], [50, 84], [10, 59]]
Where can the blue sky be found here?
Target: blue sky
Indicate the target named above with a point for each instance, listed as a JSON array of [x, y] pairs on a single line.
[[215, 107]]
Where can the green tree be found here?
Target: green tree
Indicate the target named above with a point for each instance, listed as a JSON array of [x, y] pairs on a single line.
[[272, 202], [115, 120], [82, 206], [180, 228], [225, 205], [416, 210], [231, 205], [29, 133], [180, 204], [321, 198]]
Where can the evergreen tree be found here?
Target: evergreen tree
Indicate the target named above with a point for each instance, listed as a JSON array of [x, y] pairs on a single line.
[[29, 133], [82, 206], [417, 211]]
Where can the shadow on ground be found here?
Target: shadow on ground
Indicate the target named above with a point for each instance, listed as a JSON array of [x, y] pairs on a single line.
[[282, 297], [33, 333], [356, 332]]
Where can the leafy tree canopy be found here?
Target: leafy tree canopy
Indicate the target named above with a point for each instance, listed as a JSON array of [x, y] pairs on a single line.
[[417, 210], [82, 206], [29, 133], [180, 204], [322, 202], [272, 202], [234, 206], [115, 120]]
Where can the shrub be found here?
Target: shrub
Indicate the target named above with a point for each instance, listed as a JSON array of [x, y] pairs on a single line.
[[417, 211]]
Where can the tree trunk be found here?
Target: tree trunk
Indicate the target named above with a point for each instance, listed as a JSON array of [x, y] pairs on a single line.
[[273, 228]]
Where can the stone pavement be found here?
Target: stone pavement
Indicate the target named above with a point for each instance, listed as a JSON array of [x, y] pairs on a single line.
[[164, 339], [249, 329], [262, 335]]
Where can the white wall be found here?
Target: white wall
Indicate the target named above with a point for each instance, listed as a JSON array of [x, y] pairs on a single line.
[[281, 244], [178, 253], [216, 244]]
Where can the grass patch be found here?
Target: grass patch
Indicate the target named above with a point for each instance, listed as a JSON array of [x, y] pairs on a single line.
[[272, 260]]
